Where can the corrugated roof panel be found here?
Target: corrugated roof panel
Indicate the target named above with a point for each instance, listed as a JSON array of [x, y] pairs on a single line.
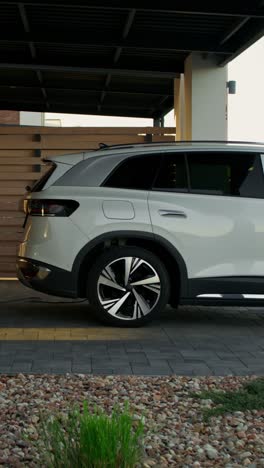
[[133, 53], [75, 18]]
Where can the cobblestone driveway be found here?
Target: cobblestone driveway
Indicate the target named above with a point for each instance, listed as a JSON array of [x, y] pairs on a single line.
[[37, 337]]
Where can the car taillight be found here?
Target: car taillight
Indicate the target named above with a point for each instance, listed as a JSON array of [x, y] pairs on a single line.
[[50, 207]]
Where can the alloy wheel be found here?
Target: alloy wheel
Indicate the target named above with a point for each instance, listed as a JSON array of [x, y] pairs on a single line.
[[128, 288]]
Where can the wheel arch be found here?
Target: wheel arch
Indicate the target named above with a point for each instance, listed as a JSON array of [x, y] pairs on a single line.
[[167, 253]]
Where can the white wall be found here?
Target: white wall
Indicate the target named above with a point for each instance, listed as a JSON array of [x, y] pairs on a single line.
[[205, 99], [246, 107], [79, 120]]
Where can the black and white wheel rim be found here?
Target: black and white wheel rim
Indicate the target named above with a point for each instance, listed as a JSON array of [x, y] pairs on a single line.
[[128, 288]]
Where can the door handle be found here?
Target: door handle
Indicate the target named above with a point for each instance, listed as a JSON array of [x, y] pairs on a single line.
[[179, 214]]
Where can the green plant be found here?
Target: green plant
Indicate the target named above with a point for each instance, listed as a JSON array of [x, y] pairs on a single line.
[[249, 397], [83, 439]]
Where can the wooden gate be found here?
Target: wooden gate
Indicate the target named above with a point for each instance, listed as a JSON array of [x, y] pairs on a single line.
[[21, 150]]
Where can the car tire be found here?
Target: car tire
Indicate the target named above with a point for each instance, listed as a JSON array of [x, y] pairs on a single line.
[[128, 286]]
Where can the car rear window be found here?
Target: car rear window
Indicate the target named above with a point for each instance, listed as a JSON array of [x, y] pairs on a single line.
[[137, 172]]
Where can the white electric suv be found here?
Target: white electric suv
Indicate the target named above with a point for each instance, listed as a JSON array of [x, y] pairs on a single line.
[[135, 227]]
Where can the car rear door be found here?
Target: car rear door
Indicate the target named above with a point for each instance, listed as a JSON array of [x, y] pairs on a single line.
[[209, 205]]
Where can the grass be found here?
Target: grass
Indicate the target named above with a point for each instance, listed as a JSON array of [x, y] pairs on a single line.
[[92, 440], [249, 397]]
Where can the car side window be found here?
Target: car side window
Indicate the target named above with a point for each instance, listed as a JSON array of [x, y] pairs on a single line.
[[230, 174], [172, 175], [136, 172]]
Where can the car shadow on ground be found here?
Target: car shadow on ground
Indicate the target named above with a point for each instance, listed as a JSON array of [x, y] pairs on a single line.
[[36, 313], [23, 307]]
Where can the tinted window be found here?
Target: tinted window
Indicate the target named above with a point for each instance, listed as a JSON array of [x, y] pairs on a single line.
[[137, 172], [38, 186], [172, 175], [231, 174]]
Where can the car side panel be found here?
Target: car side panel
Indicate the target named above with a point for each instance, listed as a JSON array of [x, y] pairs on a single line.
[[216, 236], [105, 209], [57, 241]]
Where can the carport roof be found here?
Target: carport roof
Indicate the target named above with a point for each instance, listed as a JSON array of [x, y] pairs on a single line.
[[113, 57]]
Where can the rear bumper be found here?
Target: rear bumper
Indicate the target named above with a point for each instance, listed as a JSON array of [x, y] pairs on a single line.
[[46, 278]]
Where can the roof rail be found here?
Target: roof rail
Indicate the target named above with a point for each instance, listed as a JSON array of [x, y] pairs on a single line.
[[104, 146]]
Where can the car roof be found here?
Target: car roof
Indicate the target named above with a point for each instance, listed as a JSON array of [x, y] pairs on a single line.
[[152, 147]]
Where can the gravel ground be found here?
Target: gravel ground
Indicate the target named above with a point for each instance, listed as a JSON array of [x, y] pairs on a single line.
[[176, 434]]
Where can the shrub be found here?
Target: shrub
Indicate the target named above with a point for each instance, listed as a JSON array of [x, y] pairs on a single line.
[[92, 440], [249, 397]]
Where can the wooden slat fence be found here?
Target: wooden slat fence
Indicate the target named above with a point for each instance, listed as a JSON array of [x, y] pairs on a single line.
[[21, 150]]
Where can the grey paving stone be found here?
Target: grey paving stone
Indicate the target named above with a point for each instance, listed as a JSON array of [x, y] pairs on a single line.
[[60, 364], [181, 363], [133, 347], [116, 347], [198, 353], [252, 361], [91, 356], [159, 363], [116, 354], [179, 368], [33, 356], [49, 365], [241, 348], [222, 371], [168, 348], [136, 355], [193, 340], [120, 362], [211, 347], [139, 361], [7, 360], [116, 364], [102, 371], [22, 360], [183, 372], [18, 346], [255, 354], [226, 355], [202, 371], [170, 351], [59, 355], [165, 355], [42, 361], [124, 370], [101, 365], [9, 352], [89, 346], [54, 347], [96, 355], [81, 362], [194, 360], [150, 370], [225, 363], [256, 372], [60, 370], [242, 371], [81, 367], [253, 367], [22, 367], [5, 369]]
